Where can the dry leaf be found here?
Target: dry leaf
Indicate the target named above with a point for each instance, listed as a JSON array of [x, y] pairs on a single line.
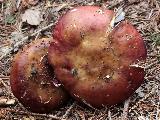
[[32, 17], [120, 15], [15, 37], [29, 2]]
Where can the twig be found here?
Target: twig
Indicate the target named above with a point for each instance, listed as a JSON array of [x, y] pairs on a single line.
[[7, 102], [2, 8], [18, 3], [158, 110], [4, 77], [115, 5], [124, 3], [125, 110], [153, 55], [64, 117], [109, 115], [156, 33], [6, 87], [133, 3], [4, 84], [34, 114], [150, 14], [152, 64], [17, 44]]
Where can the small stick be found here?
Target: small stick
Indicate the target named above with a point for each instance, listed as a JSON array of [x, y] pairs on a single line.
[[25, 39], [65, 116], [34, 114], [4, 77], [7, 102], [18, 3], [2, 6], [4, 84], [133, 2], [109, 115], [152, 64], [153, 55], [125, 3], [125, 110], [158, 103], [6, 87], [45, 115]]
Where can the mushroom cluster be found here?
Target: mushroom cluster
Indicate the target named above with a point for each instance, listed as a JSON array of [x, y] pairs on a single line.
[[90, 60]]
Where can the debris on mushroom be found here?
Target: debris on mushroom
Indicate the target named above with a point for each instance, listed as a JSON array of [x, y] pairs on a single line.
[[33, 81]]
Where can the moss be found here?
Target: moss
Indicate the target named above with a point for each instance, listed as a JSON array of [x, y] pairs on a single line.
[[156, 38]]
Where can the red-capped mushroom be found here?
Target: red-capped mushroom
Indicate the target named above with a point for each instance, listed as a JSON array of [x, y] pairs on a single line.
[[33, 81], [94, 62]]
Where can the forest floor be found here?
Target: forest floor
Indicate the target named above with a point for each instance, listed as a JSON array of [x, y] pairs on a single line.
[[144, 104]]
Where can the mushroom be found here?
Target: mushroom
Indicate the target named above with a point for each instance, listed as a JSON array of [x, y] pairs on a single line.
[[32, 80], [94, 61]]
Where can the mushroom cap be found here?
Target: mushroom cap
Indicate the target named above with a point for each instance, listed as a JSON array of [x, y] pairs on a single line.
[[94, 62], [33, 81]]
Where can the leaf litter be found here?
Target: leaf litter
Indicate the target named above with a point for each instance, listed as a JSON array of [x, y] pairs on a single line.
[[32, 17], [145, 15]]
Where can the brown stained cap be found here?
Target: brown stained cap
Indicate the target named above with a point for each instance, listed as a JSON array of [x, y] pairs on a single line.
[[33, 81], [94, 62]]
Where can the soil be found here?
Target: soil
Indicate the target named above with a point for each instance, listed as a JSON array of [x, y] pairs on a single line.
[[144, 104]]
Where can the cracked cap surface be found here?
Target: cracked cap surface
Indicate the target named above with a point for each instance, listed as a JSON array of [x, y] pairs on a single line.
[[92, 62]]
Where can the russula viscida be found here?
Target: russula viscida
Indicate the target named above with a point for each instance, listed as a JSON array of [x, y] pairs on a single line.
[[33, 81], [94, 61]]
